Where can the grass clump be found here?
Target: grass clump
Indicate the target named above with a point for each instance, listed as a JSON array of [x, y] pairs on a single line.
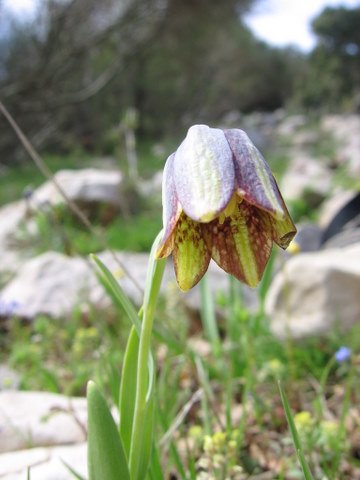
[[60, 355]]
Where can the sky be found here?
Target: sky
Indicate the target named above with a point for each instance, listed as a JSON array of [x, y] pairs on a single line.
[[287, 22], [20, 6], [278, 22]]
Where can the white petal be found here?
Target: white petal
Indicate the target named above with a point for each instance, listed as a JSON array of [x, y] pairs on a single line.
[[204, 173]]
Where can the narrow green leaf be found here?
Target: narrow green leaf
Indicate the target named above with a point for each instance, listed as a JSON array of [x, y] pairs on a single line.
[[128, 389], [118, 292], [155, 471], [106, 455], [108, 280], [266, 279], [295, 435], [178, 461], [72, 471]]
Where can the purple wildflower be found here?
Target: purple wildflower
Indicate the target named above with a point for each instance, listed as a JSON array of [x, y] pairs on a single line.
[[342, 354], [8, 308]]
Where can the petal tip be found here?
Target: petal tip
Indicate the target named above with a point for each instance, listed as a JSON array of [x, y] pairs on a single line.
[[286, 239]]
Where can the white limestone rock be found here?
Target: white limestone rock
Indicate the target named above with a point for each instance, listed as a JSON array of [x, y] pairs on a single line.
[[304, 174], [33, 419], [44, 463], [345, 129], [51, 284], [55, 284], [316, 292], [290, 125], [86, 185]]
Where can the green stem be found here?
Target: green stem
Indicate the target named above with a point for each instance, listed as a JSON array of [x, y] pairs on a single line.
[[144, 380], [141, 391]]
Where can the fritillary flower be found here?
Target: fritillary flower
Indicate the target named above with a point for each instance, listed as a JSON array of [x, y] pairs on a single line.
[[221, 201]]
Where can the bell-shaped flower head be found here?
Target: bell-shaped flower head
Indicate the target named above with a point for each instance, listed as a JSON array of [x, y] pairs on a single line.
[[221, 201]]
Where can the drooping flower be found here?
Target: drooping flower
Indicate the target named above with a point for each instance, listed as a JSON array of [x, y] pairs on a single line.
[[221, 201]]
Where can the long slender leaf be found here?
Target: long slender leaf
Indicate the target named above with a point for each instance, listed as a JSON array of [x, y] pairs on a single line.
[[72, 471], [128, 389], [155, 471], [114, 286], [295, 435], [266, 280], [107, 278], [106, 454]]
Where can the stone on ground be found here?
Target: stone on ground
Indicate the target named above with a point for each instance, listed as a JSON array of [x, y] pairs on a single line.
[[315, 293]]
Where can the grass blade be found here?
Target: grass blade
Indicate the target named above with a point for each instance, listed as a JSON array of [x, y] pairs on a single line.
[[266, 280], [107, 278], [208, 317], [342, 428], [155, 472], [295, 435], [72, 471], [128, 389]]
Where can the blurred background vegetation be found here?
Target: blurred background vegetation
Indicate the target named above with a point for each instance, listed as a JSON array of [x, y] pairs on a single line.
[[69, 75]]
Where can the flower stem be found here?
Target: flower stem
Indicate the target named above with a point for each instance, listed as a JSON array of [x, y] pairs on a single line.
[[144, 380]]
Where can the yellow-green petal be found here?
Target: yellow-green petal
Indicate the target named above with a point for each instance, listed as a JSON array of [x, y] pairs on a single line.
[[242, 244], [204, 173], [191, 252], [283, 230]]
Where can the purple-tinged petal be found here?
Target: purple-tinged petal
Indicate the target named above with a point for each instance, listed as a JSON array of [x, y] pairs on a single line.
[[242, 244], [171, 209], [191, 252], [204, 173], [254, 180]]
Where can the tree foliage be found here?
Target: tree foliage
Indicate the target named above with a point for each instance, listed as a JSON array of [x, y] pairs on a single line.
[[69, 76], [333, 77], [71, 52]]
